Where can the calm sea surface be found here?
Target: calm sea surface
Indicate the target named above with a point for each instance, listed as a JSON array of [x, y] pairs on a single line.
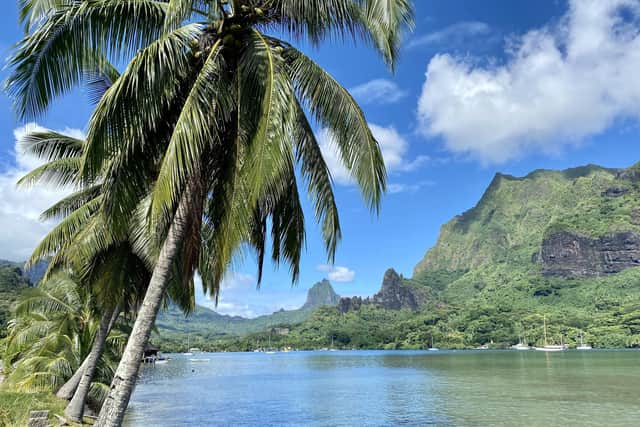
[[391, 388]]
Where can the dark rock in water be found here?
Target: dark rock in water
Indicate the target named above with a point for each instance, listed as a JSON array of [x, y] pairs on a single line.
[[320, 294], [615, 192], [394, 295], [568, 254]]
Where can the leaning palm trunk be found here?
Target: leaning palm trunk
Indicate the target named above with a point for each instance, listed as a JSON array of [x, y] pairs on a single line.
[[67, 391], [75, 409], [115, 405]]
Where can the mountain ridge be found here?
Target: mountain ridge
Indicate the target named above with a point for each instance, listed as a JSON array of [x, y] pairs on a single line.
[[208, 325], [564, 245]]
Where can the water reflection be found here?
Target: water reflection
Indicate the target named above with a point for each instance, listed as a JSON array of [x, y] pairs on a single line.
[[392, 388]]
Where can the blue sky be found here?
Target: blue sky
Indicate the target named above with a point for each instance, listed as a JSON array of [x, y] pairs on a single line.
[[480, 88]]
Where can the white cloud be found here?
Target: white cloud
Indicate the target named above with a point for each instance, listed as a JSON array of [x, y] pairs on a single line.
[[20, 209], [337, 273], [453, 34], [238, 281], [396, 188], [559, 85], [378, 91], [394, 149]]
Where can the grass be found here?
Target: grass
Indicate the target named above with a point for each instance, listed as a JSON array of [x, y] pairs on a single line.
[[15, 407]]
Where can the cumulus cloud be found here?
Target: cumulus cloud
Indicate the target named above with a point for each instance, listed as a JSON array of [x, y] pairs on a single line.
[[20, 209], [394, 149], [337, 273], [558, 85], [378, 91], [452, 35]]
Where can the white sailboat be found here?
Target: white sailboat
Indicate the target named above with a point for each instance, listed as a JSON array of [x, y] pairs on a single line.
[[197, 359], [188, 353], [582, 345], [270, 350], [332, 348], [521, 345], [550, 347], [432, 348]]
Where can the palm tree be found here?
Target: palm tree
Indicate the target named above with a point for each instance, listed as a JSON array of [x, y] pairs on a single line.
[[50, 334], [108, 264], [210, 117]]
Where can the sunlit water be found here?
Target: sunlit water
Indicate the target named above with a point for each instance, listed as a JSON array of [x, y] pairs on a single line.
[[389, 388]]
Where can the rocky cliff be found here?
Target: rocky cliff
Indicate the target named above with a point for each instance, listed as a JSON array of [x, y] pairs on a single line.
[[578, 222], [320, 294], [571, 255], [394, 294]]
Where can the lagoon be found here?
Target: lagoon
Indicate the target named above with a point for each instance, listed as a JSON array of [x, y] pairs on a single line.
[[389, 388]]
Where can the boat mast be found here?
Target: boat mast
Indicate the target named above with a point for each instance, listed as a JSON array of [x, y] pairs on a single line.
[[544, 320]]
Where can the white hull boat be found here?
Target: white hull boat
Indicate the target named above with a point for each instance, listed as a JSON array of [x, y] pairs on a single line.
[[549, 347]]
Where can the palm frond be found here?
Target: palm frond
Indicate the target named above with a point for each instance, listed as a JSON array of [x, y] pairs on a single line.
[[63, 233], [32, 12], [98, 81], [207, 108], [71, 203], [320, 188], [51, 60], [179, 11], [334, 108], [385, 21], [50, 145], [60, 173]]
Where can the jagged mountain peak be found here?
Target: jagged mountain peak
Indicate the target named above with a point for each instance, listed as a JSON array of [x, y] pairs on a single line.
[[320, 294]]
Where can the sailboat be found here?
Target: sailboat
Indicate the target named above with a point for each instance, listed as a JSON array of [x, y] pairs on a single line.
[[270, 350], [521, 345], [188, 353], [582, 345], [331, 348], [432, 348], [549, 347]]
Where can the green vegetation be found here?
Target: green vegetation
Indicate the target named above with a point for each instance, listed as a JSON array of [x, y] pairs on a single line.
[[177, 331], [483, 283], [12, 284], [15, 407], [171, 150], [514, 215], [51, 335]]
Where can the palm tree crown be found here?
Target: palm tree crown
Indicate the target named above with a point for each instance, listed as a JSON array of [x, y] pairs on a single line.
[[205, 129]]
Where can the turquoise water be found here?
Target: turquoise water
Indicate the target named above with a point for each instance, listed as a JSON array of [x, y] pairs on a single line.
[[391, 388]]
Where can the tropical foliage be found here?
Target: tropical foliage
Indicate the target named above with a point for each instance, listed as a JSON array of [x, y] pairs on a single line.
[[52, 334], [12, 283], [483, 282], [202, 132]]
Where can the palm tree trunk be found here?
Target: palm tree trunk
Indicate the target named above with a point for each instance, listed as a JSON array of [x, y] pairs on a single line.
[[69, 388], [115, 405], [75, 408]]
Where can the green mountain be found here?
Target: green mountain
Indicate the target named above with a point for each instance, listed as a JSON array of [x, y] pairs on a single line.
[[561, 244], [177, 331], [12, 283], [320, 294]]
